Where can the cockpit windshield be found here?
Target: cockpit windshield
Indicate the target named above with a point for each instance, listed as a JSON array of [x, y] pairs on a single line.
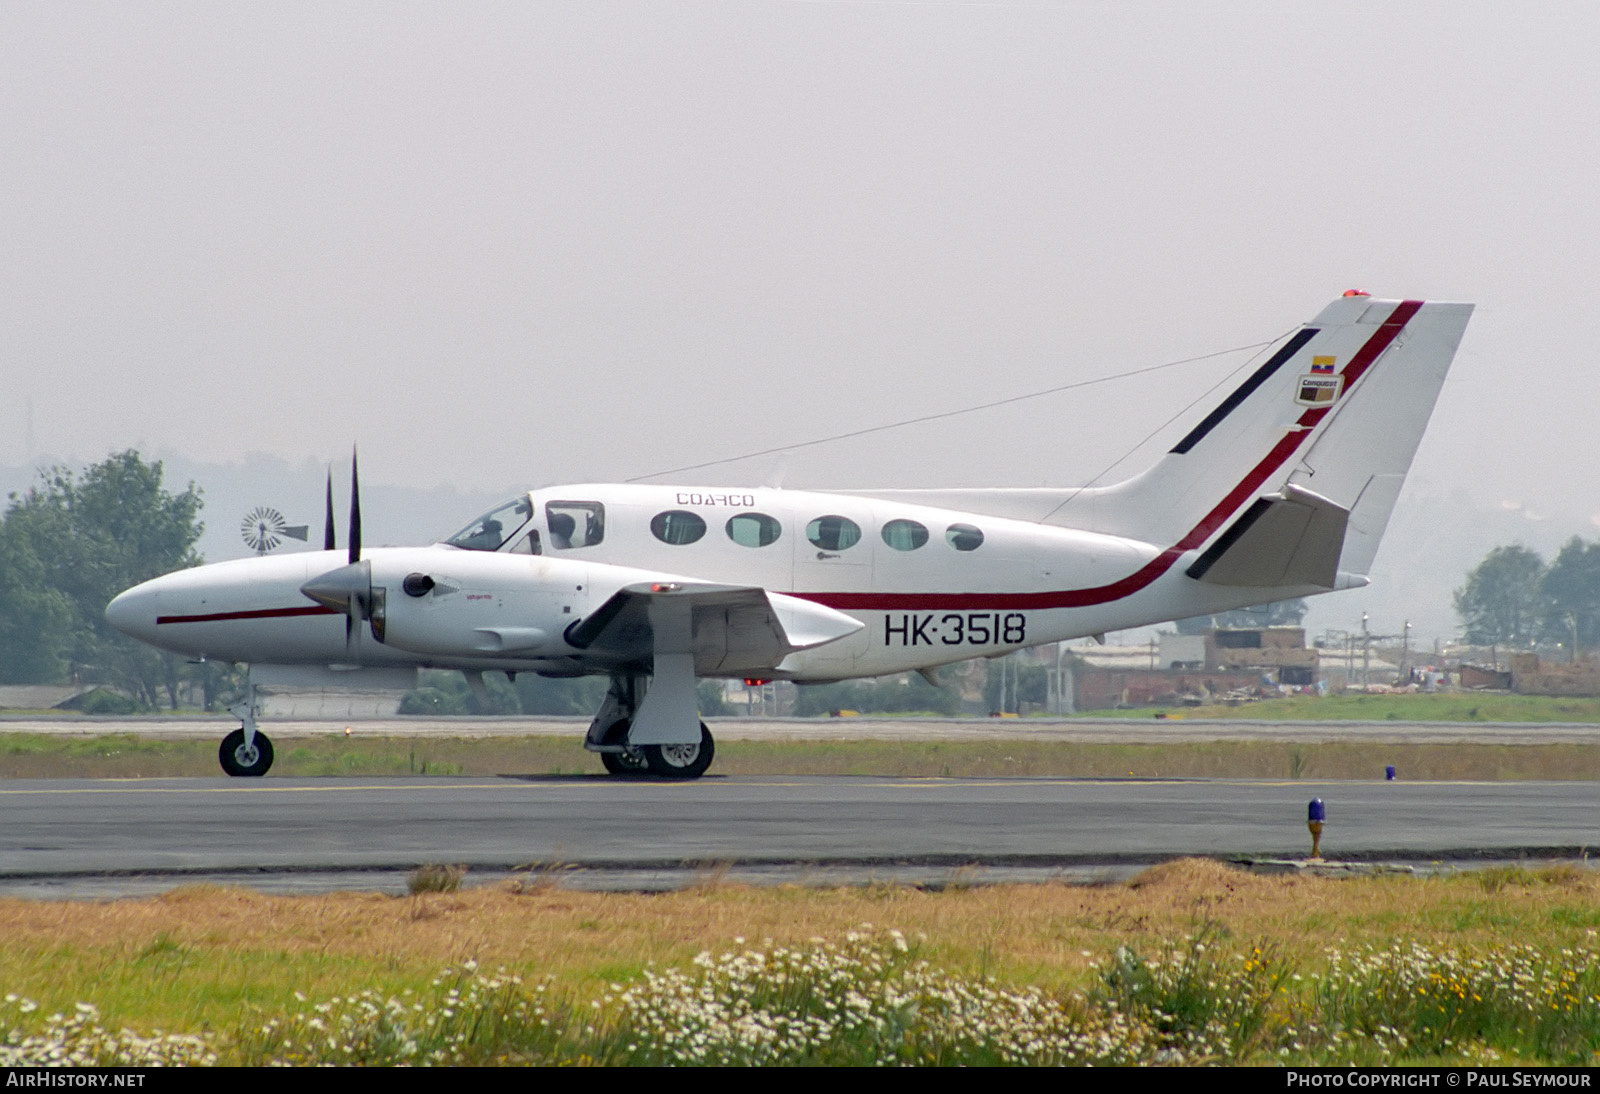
[[495, 527]]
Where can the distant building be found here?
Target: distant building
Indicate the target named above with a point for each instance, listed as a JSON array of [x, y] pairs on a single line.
[[1532, 675], [1194, 669], [1274, 649]]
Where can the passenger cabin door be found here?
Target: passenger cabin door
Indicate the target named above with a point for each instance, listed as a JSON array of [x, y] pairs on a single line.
[[833, 551]]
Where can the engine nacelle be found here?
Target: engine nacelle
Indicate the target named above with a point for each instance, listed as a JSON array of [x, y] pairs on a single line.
[[464, 605], [477, 604]]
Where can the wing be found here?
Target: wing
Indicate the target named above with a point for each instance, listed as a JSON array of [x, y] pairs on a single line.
[[729, 629]]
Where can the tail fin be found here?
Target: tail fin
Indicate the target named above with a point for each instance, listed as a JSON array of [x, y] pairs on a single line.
[[1302, 463]]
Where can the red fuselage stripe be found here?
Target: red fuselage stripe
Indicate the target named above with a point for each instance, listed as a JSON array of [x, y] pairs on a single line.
[[264, 613], [1287, 445], [1146, 574]]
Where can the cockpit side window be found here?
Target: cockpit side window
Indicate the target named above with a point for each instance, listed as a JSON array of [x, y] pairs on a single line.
[[496, 527], [575, 523]]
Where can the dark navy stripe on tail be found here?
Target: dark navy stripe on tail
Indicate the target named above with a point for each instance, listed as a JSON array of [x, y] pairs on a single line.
[[1259, 377]]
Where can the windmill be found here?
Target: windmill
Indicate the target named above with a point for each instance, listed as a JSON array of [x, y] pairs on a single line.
[[264, 528]]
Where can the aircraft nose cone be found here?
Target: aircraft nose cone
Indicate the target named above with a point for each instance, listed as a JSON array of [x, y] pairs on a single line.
[[134, 612]]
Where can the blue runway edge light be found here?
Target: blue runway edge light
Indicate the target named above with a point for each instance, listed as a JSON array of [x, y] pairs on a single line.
[[1316, 813]]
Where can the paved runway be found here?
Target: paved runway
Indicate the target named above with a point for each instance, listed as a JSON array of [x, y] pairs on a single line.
[[106, 837], [1079, 730]]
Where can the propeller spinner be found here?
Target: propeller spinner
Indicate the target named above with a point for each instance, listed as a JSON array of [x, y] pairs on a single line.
[[349, 590]]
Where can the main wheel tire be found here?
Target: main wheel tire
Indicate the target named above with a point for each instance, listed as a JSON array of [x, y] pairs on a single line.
[[682, 761], [242, 762], [628, 762]]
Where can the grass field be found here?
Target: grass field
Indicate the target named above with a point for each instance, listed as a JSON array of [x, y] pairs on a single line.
[[1345, 970]]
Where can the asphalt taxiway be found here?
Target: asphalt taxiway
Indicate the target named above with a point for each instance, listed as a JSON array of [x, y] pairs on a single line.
[[113, 837]]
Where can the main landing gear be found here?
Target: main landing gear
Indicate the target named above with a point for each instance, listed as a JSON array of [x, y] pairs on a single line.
[[682, 761], [626, 760], [624, 719], [679, 761], [246, 752]]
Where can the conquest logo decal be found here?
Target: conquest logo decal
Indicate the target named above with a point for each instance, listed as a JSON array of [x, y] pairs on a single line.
[[1319, 390]]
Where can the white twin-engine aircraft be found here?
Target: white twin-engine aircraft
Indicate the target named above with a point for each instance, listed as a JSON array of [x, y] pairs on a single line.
[[1283, 490]]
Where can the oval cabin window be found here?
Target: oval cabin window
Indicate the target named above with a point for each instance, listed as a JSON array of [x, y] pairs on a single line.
[[964, 537], [754, 529], [834, 533], [905, 535], [677, 527]]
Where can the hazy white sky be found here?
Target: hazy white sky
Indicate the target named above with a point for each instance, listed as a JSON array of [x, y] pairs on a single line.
[[507, 244]]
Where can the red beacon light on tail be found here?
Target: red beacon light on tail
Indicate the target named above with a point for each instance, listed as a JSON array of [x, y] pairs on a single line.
[[1356, 292]]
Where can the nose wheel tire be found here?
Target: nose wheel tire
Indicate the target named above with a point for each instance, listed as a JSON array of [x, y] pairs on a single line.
[[243, 762], [681, 761], [630, 761]]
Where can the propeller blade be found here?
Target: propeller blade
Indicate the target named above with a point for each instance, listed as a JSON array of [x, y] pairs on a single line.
[[355, 509], [329, 543]]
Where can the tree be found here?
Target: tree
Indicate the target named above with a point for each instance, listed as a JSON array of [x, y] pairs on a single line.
[[1570, 589], [71, 544], [1280, 613], [1012, 682], [35, 619], [1503, 601]]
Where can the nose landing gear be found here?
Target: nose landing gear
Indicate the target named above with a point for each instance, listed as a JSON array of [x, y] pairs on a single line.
[[242, 758], [246, 752]]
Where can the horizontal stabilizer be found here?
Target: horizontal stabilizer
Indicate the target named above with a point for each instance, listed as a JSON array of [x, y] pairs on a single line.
[[1294, 539]]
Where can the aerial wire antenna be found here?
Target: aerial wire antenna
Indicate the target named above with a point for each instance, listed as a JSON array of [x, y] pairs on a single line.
[[1198, 399], [982, 406]]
